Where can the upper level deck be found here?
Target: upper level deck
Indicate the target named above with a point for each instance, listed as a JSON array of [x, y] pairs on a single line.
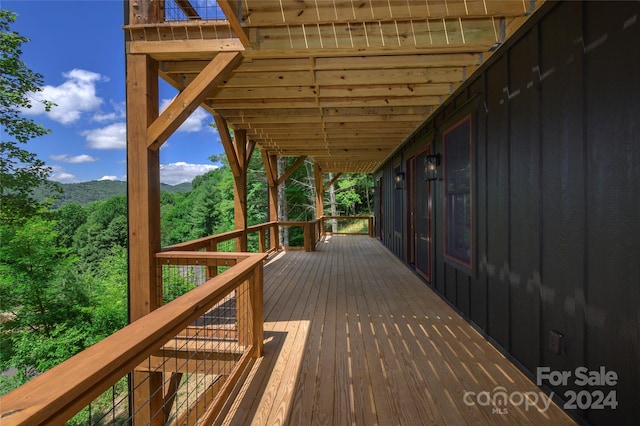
[[351, 336]]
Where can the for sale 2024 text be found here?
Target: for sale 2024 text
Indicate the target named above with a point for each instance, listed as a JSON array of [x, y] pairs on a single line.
[[598, 399]]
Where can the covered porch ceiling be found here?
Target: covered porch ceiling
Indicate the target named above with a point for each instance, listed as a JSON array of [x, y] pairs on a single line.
[[343, 82]]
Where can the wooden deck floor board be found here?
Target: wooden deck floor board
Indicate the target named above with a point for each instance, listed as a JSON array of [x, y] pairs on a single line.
[[383, 299], [297, 304], [354, 337], [363, 400], [441, 403]]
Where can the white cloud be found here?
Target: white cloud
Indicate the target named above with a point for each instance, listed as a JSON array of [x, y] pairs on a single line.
[[101, 117], [59, 175], [119, 112], [66, 158], [196, 122], [74, 97], [180, 172], [113, 136], [108, 178]]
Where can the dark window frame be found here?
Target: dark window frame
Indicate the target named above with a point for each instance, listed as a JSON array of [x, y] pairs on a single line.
[[453, 192]]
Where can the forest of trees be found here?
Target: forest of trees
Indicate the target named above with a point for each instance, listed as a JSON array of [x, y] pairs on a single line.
[[84, 193], [63, 266]]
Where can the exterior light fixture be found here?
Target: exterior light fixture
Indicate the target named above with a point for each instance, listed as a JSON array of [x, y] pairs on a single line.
[[399, 180], [431, 164]]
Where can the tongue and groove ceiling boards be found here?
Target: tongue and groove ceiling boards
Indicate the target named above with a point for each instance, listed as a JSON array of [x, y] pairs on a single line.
[[343, 82]]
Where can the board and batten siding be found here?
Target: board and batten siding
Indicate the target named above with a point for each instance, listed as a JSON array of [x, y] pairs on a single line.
[[555, 198]]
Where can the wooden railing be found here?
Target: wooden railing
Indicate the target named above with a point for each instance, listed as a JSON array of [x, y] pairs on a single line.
[[309, 231], [214, 242], [314, 230], [169, 349], [204, 335], [348, 225]]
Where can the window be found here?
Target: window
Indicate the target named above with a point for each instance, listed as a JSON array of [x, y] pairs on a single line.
[[457, 193]]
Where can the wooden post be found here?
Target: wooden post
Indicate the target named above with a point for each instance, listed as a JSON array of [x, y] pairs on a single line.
[[271, 168], [257, 301], [240, 188], [143, 182], [261, 241], [238, 154], [212, 271], [319, 195], [146, 12]]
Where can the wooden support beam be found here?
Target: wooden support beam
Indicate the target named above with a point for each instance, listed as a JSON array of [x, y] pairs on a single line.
[[227, 144], [184, 49], [240, 188], [291, 169], [332, 181], [238, 154], [191, 97], [143, 183], [251, 146], [269, 170], [234, 22], [144, 12]]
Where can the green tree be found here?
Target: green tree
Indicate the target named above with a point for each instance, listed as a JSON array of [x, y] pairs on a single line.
[[69, 218], [105, 227], [41, 298], [108, 293], [21, 172]]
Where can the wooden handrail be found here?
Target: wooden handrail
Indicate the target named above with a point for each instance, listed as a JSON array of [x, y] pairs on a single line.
[[205, 242], [369, 219], [313, 234], [58, 394], [346, 217]]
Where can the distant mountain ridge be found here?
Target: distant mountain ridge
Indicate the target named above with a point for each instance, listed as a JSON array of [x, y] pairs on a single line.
[[84, 193]]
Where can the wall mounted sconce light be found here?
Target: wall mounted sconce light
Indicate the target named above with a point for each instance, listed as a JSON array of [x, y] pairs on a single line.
[[373, 191], [399, 180], [431, 164]]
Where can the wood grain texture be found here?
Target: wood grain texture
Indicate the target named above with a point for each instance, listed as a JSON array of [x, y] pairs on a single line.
[[354, 337]]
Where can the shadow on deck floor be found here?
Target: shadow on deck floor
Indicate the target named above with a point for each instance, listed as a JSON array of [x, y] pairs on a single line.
[[352, 336]]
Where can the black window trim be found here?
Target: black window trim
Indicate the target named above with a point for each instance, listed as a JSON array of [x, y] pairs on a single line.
[[452, 125]]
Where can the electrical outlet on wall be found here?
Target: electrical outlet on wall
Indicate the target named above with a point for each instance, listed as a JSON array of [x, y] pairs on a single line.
[[556, 342]]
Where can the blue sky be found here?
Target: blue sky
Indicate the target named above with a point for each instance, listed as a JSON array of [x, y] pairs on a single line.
[[78, 47]]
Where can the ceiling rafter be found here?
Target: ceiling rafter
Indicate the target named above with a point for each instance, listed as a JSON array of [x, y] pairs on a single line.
[[343, 82]]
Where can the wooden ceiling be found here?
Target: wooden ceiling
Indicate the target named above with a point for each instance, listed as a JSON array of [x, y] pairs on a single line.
[[343, 82]]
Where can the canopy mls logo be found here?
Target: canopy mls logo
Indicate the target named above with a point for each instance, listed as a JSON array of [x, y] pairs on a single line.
[[500, 400]]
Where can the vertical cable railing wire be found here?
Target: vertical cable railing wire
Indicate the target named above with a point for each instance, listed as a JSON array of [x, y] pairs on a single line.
[[192, 366]]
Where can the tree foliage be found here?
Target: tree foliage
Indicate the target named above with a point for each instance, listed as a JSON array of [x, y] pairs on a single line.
[[21, 172], [41, 297]]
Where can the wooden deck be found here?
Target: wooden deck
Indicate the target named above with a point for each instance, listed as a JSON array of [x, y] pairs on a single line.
[[352, 336]]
